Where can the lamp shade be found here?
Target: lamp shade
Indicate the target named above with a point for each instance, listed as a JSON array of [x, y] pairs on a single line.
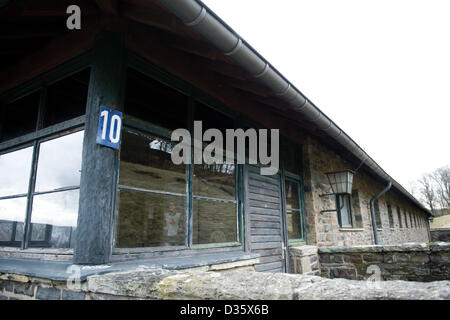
[[341, 182]]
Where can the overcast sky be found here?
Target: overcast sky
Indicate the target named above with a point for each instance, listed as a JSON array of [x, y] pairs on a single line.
[[379, 69]]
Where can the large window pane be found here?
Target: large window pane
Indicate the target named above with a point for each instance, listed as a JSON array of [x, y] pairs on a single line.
[[54, 219], [15, 172], [150, 220], [12, 217], [155, 102], [291, 159], [66, 99], [215, 181], [59, 163], [293, 224], [214, 222], [145, 162], [19, 117]]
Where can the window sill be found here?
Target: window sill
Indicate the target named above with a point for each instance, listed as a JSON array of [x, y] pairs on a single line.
[[351, 229]]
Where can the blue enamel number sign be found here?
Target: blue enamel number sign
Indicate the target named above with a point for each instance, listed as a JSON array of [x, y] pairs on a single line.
[[109, 127]]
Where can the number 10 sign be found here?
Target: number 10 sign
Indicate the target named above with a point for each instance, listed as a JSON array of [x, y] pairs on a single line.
[[109, 127]]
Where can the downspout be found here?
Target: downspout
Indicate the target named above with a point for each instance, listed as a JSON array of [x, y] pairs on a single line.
[[372, 211]]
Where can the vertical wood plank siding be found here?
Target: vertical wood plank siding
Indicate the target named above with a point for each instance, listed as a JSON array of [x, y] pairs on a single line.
[[263, 216]]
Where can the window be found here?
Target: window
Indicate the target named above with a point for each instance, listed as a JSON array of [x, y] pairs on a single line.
[[344, 210], [399, 218], [356, 209], [377, 214], [290, 161], [161, 204], [41, 176], [390, 216], [406, 220], [411, 220], [293, 210]]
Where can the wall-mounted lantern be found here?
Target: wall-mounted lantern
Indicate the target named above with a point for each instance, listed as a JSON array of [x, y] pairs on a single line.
[[341, 182]]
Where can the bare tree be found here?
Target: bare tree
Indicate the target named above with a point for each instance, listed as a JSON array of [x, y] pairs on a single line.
[[427, 191], [441, 178]]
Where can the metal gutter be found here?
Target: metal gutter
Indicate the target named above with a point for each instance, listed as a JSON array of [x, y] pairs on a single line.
[[196, 15]]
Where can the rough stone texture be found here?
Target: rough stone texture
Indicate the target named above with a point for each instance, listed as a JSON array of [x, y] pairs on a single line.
[[304, 260], [73, 295], [323, 228], [160, 284], [411, 261], [440, 235], [43, 293]]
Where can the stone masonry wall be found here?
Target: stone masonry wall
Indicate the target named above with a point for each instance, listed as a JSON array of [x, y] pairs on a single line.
[[323, 228], [412, 262]]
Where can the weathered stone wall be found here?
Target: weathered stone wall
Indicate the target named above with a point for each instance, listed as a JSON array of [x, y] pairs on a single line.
[[231, 285], [323, 228], [22, 287], [440, 235], [304, 260], [412, 262]]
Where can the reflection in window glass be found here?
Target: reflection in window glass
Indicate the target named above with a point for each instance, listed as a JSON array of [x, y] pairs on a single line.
[[344, 210], [15, 172], [54, 219], [150, 220], [145, 162], [12, 217], [292, 196], [59, 162], [19, 117], [155, 102], [293, 224], [214, 222], [66, 99], [215, 181]]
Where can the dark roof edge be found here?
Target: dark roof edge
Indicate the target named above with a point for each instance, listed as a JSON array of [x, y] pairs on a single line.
[[198, 16]]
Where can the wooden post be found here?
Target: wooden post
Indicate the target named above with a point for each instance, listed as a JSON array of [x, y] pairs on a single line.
[[93, 239]]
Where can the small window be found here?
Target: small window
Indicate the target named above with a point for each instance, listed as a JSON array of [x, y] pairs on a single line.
[[293, 210], [377, 214], [344, 211], [400, 224], [390, 216], [356, 209], [406, 220]]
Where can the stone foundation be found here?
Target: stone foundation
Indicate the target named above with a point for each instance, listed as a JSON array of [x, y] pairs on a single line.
[[412, 262]]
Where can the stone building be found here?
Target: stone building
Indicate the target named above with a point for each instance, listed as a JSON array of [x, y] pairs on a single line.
[[65, 199]]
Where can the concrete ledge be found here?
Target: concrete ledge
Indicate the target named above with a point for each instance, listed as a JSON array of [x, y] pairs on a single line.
[[164, 284], [406, 247]]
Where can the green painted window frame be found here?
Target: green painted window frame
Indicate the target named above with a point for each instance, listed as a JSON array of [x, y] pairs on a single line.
[[39, 135], [286, 175], [194, 95]]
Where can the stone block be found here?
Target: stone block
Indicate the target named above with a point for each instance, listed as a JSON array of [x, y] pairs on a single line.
[[2, 297], [73, 295], [24, 288], [401, 257], [373, 258], [48, 293], [8, 285], [353, 258]]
